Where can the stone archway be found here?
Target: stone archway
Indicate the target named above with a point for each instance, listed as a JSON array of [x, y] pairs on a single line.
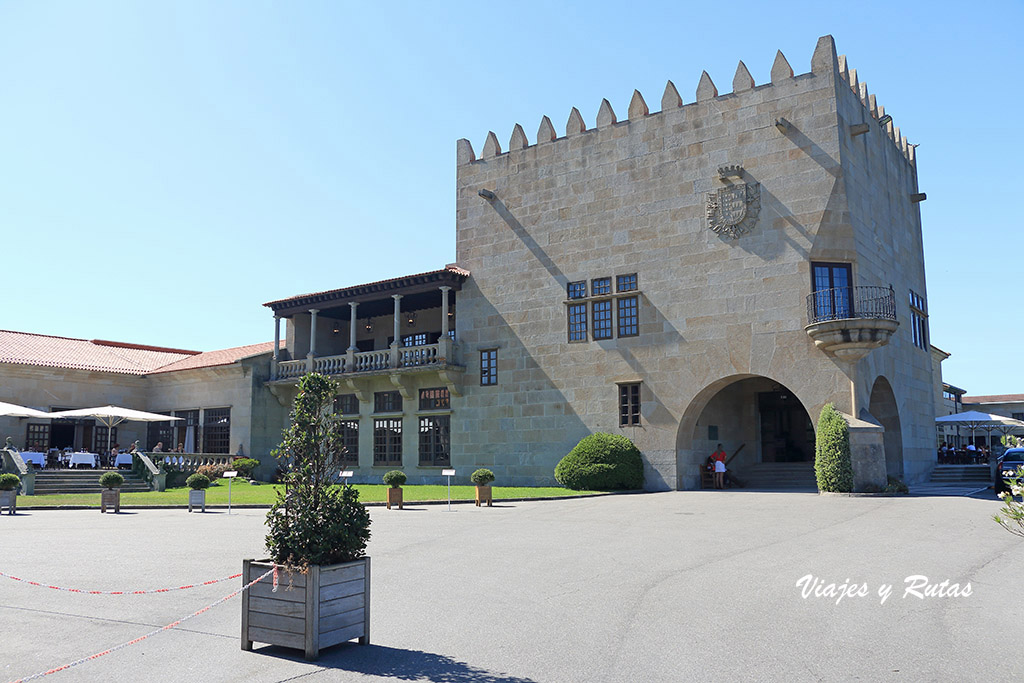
[[763, 426], [882, 406]]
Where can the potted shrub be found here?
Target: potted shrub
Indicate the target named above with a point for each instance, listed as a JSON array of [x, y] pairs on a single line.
[[9, 484], [111, 494], [317, 534], [197, 484], [482, 478], [394, 479]]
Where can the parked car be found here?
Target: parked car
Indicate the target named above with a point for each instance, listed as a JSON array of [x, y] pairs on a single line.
[[1012, 460]]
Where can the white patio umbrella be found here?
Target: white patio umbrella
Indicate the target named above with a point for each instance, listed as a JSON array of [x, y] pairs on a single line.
[[975, 419], [12, 410], [111, 416]]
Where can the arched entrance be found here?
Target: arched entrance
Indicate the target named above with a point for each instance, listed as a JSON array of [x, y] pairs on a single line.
[[763, 427], [883, 406]]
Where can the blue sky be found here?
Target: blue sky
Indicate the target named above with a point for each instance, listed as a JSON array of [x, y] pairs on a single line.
[[167, 167]]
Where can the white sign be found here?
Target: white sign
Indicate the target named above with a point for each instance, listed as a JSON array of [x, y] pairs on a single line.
[[448, 473], [346, 473], [230, 475]]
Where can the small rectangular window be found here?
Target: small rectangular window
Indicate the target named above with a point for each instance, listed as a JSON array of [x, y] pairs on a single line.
[[435, 441], [387, 442], [217, 430], [435, 399], [625, 283], [600, 286], [37, 437], [629, 404], [627, 316], [346, 404], [577, 290], [350, 440], [418, 339], [602, 320], [387, 402], [918, 320], [489, 367], [577, 322]]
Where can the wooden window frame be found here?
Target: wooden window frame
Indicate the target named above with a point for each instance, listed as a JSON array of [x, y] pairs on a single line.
[[435, 441], [629, 404], [387, 442], [488, 367]]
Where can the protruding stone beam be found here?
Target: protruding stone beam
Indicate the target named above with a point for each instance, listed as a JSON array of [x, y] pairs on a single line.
[[464, 152], [824, 58], [360, 390], [400, 381], [671, 98], [859, 129], [492, 147], [546, 132], [518, 139], [637, 107], [781, 70], [742, 80], [783, 125], [706, 89], [918, 197], [575, 124], [605, 115]]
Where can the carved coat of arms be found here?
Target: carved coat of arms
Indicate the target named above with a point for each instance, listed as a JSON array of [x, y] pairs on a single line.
[[732, 210]]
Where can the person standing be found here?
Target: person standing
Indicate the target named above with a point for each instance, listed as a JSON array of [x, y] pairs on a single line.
[[719, 457]]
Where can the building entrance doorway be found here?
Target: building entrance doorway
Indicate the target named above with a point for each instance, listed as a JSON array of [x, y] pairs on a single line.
[[62, 434], [787, 434]]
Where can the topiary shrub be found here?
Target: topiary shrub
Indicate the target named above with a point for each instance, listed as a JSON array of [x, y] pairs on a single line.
[[9, 482], [313, 521], [482, 477], [245, 466], [111, 480], [832, 466], [602, 462], [395, 478], [198, 482]]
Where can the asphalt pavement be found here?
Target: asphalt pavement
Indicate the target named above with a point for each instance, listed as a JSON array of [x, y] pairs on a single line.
[[679, 586]]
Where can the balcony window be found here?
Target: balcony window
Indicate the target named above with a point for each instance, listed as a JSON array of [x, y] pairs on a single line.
[[831, 287], [418, 339]]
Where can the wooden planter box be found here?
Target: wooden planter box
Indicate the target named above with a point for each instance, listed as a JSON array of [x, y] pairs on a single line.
[[394, 497], [9, 501], [328, 605], [197, 498], [110, 498], [483, 495]]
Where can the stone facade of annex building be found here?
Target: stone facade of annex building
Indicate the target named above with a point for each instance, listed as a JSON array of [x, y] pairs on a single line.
[[714, 272]]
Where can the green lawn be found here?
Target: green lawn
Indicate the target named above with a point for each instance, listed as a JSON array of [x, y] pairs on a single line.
[[244, 493]]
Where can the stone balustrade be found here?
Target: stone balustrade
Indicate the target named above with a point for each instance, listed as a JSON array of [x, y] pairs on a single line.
[[366, 361], [291, 368]]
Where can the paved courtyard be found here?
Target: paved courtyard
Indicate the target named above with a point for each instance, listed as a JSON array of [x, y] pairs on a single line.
[[656, 587]]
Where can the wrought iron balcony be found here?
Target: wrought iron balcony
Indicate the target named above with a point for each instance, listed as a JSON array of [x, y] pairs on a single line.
[[848, 322]]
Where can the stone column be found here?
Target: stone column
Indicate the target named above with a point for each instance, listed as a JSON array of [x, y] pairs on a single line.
[[350, 355], [277, 344], [397, 342], [444, 344], [312, 339]]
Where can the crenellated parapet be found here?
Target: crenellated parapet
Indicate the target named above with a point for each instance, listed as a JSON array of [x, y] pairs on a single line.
[[823, 62]]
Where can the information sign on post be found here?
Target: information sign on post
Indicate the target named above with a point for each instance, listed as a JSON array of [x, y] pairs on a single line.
[[449, 474], [345, 476], [229, 476]]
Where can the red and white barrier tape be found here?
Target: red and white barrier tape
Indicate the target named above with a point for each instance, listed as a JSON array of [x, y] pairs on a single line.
[[151, 633], [140, 592]]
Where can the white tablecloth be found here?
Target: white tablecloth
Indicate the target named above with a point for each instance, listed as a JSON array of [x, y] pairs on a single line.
[[123, 459], [83, 459], [34, 457]]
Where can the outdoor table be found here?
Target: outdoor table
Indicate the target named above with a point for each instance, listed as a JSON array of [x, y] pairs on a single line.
[[83, 459], [34, 457], [123, 459]]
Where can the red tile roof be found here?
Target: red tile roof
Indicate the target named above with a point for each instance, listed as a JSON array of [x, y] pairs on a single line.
[[48, 351], [223, 357], [998, 398]]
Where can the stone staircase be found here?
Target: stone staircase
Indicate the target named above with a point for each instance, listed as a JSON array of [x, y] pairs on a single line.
[[83, 481], [961, 475], [778, 476]]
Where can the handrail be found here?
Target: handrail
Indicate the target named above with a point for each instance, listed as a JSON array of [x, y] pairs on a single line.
[[848, 303]]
